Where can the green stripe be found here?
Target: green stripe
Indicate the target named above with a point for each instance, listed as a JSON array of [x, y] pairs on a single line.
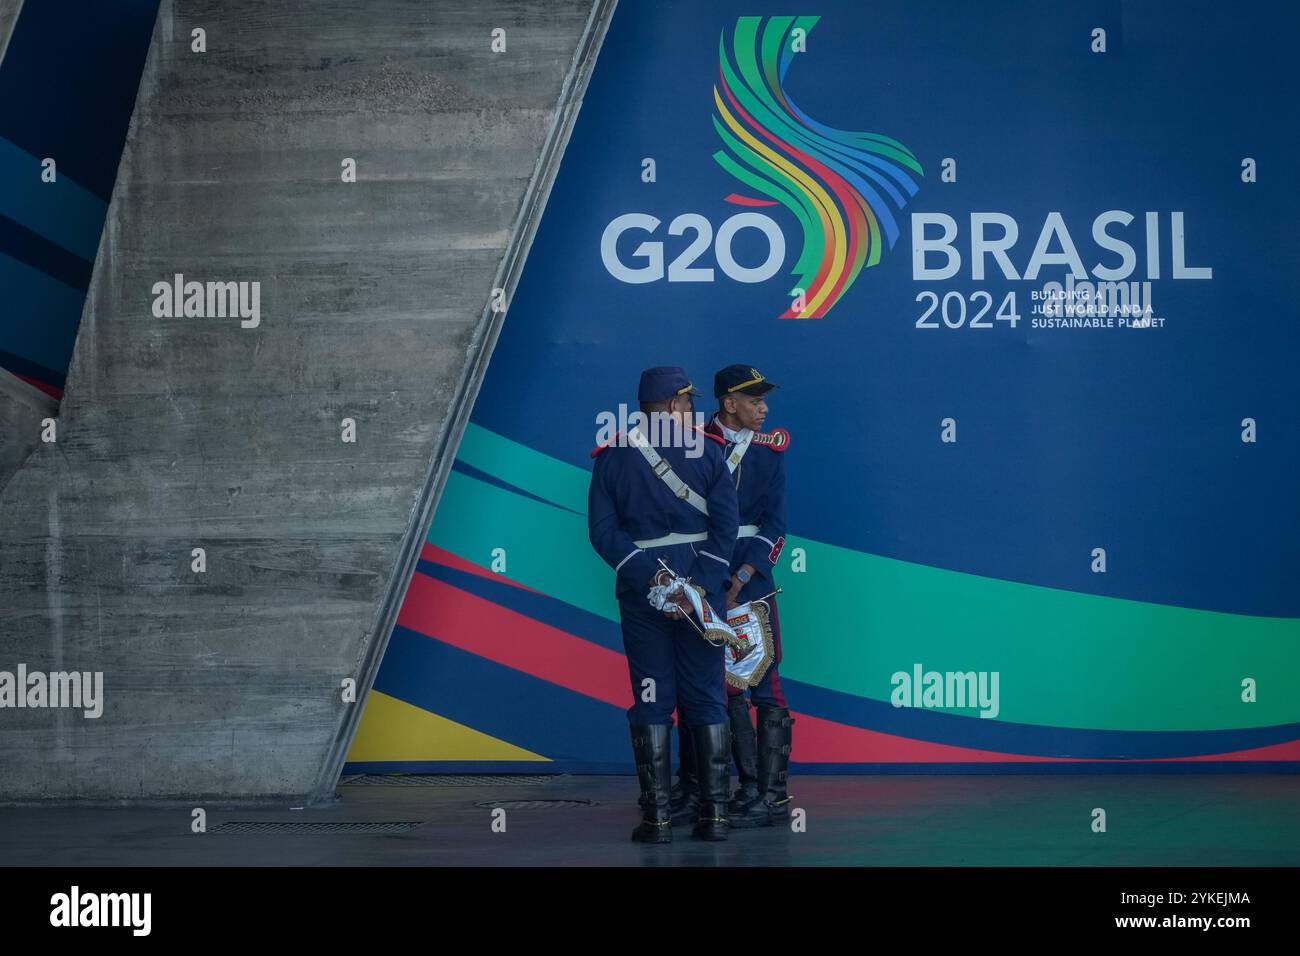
[[773, 35], [852, 619], [804, 208], [1066, 659], [795, 200], [545, 548]]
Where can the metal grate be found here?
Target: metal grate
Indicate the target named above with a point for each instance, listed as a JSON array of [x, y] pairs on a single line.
[[447, 780], [261, 826], [534, 804]]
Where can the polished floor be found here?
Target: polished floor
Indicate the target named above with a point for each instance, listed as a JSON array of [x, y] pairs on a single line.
[[924, 820]]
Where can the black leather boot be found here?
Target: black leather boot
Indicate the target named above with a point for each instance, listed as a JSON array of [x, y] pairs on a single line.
[[654, 769], [713, 765], [685, 798], [774, 737], [744, 749]]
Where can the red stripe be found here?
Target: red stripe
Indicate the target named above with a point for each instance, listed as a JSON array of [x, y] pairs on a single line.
[[749, 201], [473, 624], [52, 390], [448, 614], [823, 741], [431, 552], [1288, 750]]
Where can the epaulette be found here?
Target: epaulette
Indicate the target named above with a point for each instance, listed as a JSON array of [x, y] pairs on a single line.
[[778, 439], [609, 444]]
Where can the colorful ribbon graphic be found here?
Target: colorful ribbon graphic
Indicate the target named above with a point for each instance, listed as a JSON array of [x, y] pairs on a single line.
[[842, 186]]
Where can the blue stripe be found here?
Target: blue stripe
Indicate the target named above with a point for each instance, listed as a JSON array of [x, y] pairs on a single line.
[[35, 250], [62, 211], [585, 735], [20, 366], [539, 607], [1028, 739], [835, 769], [908, 722], [1088, 767], [510, 705], [69, 82], [41, 315]]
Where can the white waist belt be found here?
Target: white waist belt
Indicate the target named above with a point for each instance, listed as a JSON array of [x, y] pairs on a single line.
[[674, 538], [745, 531]]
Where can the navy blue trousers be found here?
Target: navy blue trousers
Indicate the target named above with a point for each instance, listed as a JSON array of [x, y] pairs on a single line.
[[687, 672]]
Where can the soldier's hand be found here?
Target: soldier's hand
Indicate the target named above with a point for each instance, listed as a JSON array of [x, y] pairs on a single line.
[[684, 607], [732, 594]]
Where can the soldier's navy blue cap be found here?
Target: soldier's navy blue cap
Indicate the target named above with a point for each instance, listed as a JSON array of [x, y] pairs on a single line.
[[664, 382], [741, 378]]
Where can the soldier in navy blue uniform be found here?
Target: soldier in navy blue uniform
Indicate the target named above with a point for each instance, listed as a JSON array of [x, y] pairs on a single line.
[[677, 503], [756, 461]]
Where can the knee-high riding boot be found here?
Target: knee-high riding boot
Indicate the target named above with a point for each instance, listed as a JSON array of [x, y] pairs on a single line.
[[685, 798], [651, 746], [774, 741], [744, 749], [713, 765]]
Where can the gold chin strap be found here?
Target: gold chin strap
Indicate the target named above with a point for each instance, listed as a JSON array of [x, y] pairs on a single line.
[[752, 381]]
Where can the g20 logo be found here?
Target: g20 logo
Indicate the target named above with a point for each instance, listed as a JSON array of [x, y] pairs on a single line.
[[841, 186], [650, 253]]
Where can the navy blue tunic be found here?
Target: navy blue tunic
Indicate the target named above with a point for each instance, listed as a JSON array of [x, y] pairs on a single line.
[[627, 502], [760, 490], [760, 487], [669, 664]]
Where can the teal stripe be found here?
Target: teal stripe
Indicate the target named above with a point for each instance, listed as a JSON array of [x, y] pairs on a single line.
[[556, 481], [61, 211], [1065, 659]]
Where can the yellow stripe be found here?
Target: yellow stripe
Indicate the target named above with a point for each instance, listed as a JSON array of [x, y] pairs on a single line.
[[393, 730]]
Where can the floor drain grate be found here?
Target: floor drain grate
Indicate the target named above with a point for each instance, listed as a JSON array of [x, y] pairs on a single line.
[[534, 804], [259, 826], [447, 780]]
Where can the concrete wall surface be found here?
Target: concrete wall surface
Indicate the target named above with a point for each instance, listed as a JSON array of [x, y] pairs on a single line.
[[177, 433]]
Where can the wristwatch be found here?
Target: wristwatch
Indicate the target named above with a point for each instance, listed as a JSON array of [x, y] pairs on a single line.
[[743, 576]]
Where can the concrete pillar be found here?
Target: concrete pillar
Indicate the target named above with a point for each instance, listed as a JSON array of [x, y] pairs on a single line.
[[182, 433]]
